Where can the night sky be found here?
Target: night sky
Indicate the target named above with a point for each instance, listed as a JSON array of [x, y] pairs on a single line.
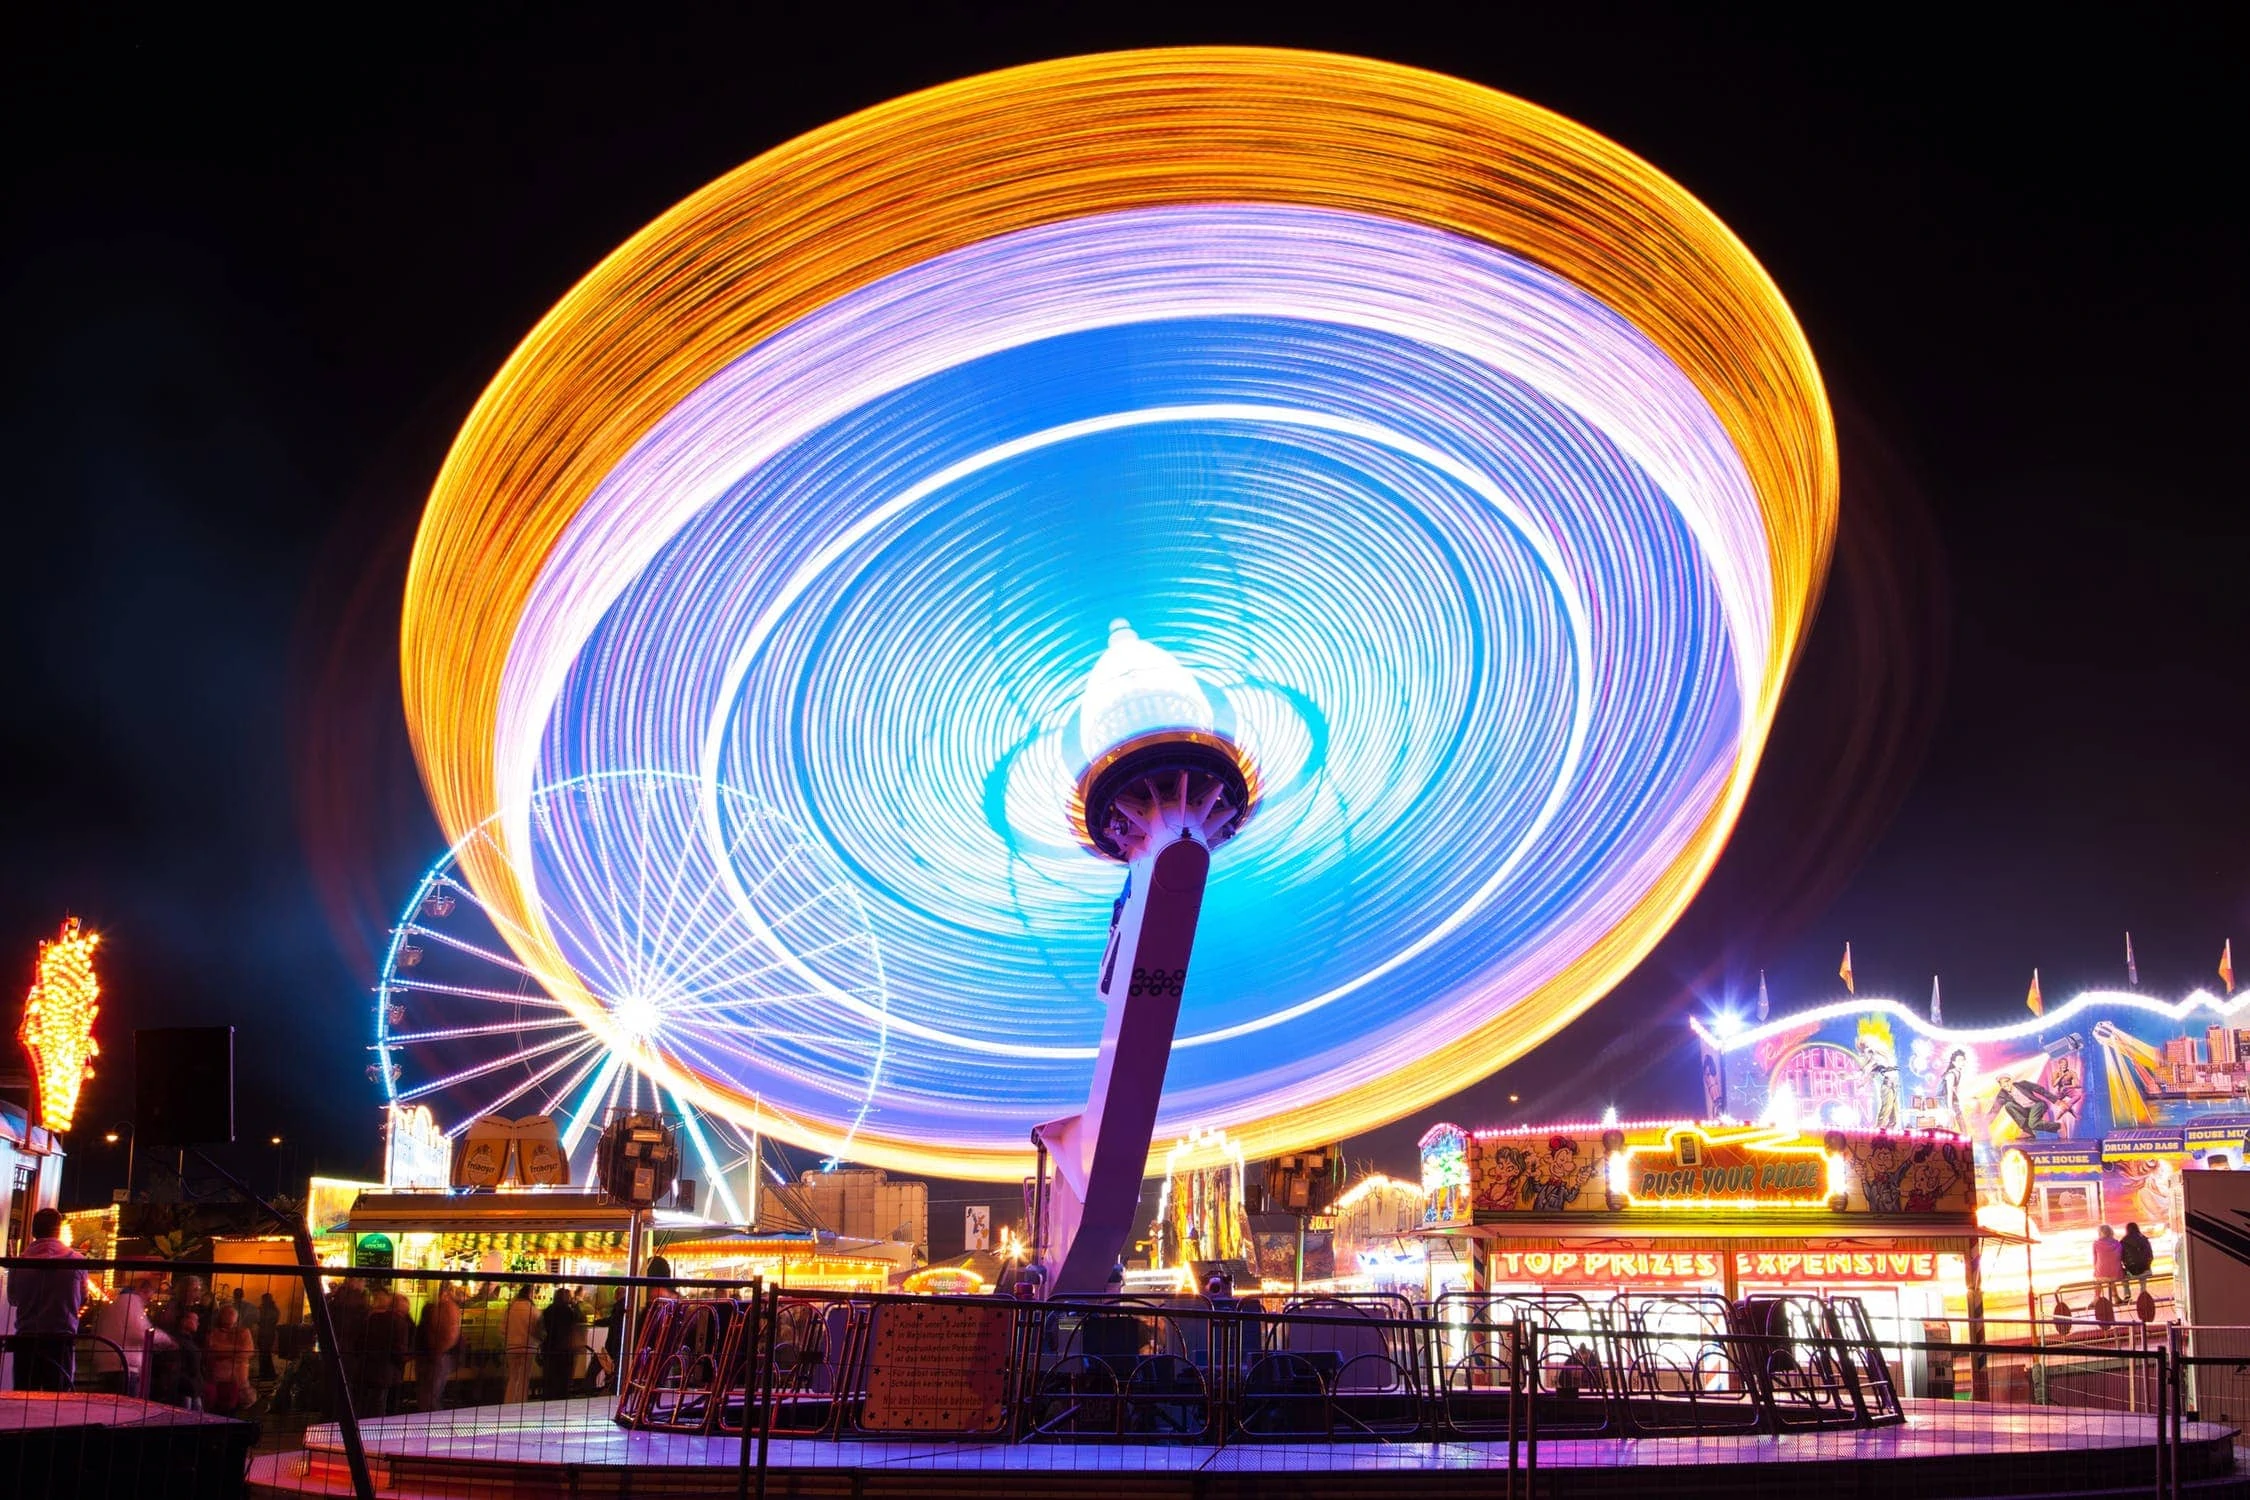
[[253, 282]]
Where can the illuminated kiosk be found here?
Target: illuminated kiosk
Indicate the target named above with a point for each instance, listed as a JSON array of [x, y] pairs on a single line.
[[1686, 1213], [1163, 788]]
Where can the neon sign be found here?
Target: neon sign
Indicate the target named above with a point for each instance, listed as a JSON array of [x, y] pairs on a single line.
[[1605, 1265], [58, 1022], [1795, 1266], [1694, 1168]]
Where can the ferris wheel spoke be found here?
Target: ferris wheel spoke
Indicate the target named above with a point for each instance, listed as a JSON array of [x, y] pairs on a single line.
[[484, 1069], [604, 1082], [538, 1000], [633, 976], [664, 927], [517, 934], [496, 1028], [520, 1090], [713, 931], [462, 945], [589, 1060]]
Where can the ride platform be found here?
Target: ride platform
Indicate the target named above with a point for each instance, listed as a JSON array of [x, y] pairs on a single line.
[[1944, 1450]]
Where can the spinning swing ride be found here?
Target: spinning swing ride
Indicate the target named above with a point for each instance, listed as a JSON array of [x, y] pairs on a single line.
[[1439, 489]]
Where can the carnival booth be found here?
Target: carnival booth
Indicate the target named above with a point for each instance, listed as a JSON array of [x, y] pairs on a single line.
[[2110, 1097], [1739, 1212]]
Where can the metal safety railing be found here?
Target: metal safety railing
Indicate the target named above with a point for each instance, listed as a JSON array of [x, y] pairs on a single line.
[[737, 1369]]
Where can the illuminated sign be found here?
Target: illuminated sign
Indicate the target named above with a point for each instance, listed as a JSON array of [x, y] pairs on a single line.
[[329, 1200], [1835, 1265], [1694, 1168], [416, 1152], [2015, 1178], [1603, 1266], [58, 1022], [1445, 1178]]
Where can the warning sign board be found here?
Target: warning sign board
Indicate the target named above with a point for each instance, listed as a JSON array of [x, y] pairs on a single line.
[[938, 1368]]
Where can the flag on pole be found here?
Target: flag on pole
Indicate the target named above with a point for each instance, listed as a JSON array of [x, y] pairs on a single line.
[[1845, 973], [2132, 970], [1937, 1006], [2036, 1001], [2226, 965], [1761, 994]]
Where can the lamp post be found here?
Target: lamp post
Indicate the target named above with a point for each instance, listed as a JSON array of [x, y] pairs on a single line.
[[275, 1142], [110, 1136]]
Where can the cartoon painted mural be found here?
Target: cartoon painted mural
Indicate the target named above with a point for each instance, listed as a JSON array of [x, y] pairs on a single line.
[[2111, 1095], [1696, 1168]]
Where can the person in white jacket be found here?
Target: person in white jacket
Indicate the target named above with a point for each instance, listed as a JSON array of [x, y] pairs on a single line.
[[519, 1332], [123, 1321]]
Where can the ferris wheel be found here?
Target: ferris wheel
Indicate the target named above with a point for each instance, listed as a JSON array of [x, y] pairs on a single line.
[[708, 937]]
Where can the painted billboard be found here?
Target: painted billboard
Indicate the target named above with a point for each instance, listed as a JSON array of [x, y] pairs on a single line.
[[1489, 1176], [2111, 1095]]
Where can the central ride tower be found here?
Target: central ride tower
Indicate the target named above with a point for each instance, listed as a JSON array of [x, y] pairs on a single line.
[[1164, 786]]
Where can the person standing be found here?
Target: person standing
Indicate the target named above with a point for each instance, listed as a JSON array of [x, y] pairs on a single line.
[[613, 1334], [561, 1327], [519, 1338], [266, 1331], [48, 1302], [440, 1346], [123, 1321], [187, 1361], [381, 1362], [228, 1349]]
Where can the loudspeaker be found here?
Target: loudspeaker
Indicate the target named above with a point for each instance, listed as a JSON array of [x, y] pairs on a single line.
[[683, 1195], [637, 1159], [183, 1086]]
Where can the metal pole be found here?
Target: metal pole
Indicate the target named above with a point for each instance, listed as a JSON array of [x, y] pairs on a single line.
[[1528, 1341], [2163, 1423], [1980, 1378], [2031, 1309], [750, 1388], [765, 1395], [636, 1253], [757, 1170], [1298, 1282], [2176, 1353]]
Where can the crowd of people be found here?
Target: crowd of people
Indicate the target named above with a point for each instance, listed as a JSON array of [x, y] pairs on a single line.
[[171, 1340], [168, 1339], [541, 1347]]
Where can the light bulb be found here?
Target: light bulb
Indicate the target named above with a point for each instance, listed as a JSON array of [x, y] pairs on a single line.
[[1136, 688]]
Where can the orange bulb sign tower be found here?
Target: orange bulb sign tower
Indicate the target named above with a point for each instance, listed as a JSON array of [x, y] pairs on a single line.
[[58, 1022]]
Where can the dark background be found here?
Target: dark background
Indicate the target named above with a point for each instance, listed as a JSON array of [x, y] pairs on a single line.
[[251, 281]]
